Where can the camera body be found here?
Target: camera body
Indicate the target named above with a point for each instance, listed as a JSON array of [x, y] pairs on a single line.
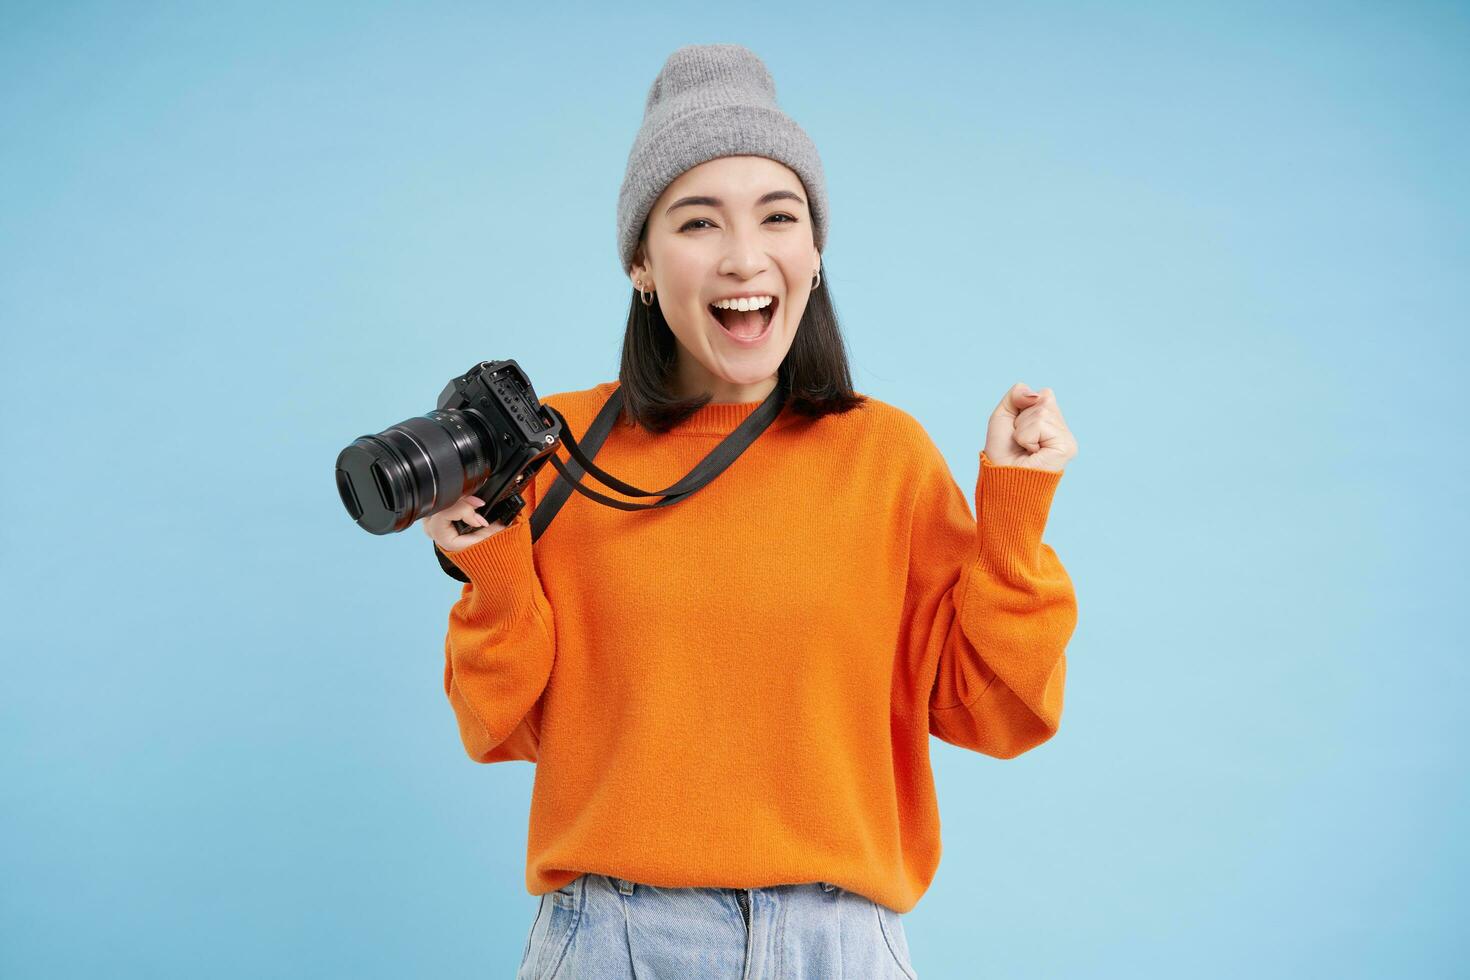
[[488, 436]]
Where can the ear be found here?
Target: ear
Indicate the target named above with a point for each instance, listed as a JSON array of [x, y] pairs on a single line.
[[639, 271]]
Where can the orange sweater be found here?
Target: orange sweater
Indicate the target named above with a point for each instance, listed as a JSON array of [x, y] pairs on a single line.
[[738, 690]]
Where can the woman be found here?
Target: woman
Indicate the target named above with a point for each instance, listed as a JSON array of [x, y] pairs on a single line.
[[729, 700]]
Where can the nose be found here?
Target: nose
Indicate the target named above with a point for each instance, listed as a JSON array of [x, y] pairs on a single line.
[[744, 255]]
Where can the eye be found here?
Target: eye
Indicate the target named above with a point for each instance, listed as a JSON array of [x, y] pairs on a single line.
[[690, 224]]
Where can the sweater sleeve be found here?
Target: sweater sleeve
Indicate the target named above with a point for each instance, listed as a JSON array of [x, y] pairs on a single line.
[[990, 606], [499, 650]]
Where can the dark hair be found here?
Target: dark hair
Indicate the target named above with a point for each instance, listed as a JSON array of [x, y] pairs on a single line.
[[814, 374]]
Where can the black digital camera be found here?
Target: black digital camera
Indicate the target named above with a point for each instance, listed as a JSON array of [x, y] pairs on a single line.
[[489, 435]]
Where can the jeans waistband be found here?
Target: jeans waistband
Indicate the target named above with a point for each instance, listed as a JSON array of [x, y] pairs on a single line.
[[628, 887]]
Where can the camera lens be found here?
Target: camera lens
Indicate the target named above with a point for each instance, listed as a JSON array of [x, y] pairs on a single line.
[[414, 469]]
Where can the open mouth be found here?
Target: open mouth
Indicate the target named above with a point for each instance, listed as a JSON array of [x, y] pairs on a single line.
[[748, 326]]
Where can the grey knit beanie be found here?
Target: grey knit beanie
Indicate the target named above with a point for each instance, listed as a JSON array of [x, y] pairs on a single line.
[[708, 101]]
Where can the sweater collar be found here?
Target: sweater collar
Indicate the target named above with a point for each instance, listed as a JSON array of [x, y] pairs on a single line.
[[720, 418]]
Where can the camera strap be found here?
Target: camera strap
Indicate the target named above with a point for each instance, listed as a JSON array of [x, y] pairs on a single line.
[[569, 474], [715, 463]]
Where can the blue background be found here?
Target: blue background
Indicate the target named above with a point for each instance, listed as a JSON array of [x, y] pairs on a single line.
[[1231, 237]]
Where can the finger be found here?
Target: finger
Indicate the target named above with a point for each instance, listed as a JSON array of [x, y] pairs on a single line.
[[1027, 437], [1017, 398], [1040, 433], [1031, 418], [1030, 397], [1046, 400], [472, 517]]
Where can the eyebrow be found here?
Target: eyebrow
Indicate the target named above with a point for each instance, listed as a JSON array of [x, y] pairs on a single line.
[[715, 202]]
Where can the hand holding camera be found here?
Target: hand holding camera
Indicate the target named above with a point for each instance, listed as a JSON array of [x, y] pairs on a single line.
[[447, 527]]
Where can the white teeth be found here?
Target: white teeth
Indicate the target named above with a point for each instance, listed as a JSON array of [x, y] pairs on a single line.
[[748, 303]]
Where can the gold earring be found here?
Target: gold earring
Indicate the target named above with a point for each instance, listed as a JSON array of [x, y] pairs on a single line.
[[648, 299], [818, 280]]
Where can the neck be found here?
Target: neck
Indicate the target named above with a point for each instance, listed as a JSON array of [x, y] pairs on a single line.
[[724, 392]]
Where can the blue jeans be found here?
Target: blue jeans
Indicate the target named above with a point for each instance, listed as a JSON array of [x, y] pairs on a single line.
[[599, 928]]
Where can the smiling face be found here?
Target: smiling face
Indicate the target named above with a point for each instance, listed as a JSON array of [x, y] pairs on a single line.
[[732, 226]]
